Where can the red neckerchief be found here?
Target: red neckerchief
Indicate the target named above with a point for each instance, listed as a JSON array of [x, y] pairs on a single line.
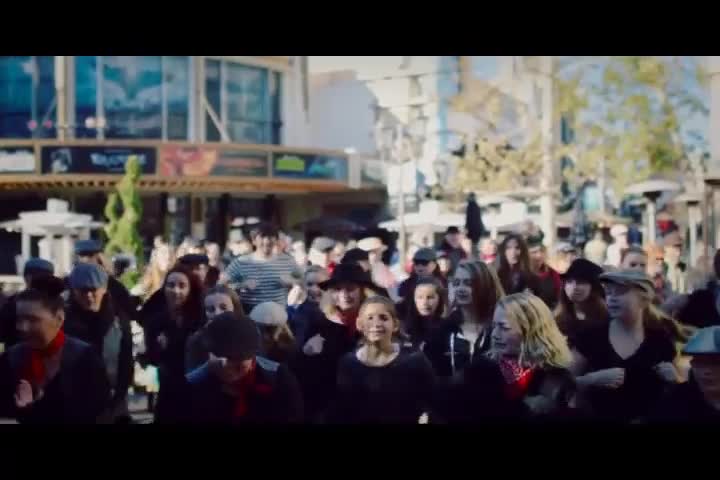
[[331, 267], [488, 258], [35, 371], [517, 378], [349, 319], [245, 387]]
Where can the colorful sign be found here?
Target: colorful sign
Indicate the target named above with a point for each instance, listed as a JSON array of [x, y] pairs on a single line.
[[208, 161], [310, 167], [15, 160], [99, 160]]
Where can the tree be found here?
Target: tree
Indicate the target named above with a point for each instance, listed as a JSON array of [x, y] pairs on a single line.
[[122, 229]]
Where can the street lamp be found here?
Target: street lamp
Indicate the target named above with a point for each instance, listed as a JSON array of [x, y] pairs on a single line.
[[651, 190], [692, 200]]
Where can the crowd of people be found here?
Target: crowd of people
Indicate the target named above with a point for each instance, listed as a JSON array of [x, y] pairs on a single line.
[[271, 332]]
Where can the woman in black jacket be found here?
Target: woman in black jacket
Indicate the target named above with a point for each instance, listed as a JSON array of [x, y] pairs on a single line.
[[475, 290], [514, 267], [424, 310], [166, 337], [381, 382], [330, 334], [525, 374], [91, 316], [238, 387], [49, 377]]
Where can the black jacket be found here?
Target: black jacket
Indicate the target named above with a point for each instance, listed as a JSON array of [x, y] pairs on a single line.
[[109, 332], [124, 302], [275, 399], [447, 349], [78, 394], [700, 310], [8, 331], [317, 374], [684, 404]]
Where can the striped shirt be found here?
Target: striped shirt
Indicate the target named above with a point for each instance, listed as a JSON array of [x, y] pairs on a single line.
[[266, 273]]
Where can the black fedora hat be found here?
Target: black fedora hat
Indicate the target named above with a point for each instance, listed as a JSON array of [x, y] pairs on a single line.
[[349, 273], [584, 270]]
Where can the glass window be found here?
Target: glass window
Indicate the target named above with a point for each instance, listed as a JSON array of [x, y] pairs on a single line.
[[177, 91], [85, 94], [276, 105], [27, 97], [132, 96], [212, 93]]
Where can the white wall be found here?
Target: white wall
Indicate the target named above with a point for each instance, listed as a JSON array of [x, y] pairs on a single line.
[[296, 120]]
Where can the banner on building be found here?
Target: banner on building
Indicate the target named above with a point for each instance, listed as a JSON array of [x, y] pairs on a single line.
[[14, 160], [95, 159], [209, 161], [310, 166]]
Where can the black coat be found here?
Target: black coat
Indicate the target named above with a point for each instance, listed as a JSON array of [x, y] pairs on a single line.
[[317, 374], [124, 302], [78, 394], [97, 329], [700, 310], [8, 331], [278, 400], [684, 404]]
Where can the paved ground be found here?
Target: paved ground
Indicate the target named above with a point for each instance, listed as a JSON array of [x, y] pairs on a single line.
[[137, 404]]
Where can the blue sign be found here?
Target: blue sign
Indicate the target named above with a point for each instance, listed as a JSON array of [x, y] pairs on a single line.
[[310, 167]]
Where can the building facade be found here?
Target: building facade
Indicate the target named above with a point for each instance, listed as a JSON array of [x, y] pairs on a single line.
[[219, 138]]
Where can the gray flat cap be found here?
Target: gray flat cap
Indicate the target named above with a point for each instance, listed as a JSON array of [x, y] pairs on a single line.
[[87, 247], [88, 276], [36, 265]]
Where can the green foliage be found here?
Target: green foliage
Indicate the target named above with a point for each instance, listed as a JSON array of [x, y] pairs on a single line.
[[122, 230]]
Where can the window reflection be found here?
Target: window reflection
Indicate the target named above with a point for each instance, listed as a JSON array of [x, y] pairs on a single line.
[[27, 97]]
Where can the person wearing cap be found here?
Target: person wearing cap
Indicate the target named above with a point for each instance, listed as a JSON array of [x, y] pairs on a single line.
[[199, 264], [321, 253], [380, 272], [582, 300], [696, 401], [34, 267], [277, 342], [331, 333], [90, 251], [237, 386], [309, 308], [624, 366], [357, 256], [549, 281], [424, 265], [91, 316], [702, 308], [452, 245], [619, 233]]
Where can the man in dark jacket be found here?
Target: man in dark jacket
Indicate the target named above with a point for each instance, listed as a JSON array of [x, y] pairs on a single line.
[[698, 400], [89, 251], [550, 283], [34, 267], [238, 387], [452, 247]]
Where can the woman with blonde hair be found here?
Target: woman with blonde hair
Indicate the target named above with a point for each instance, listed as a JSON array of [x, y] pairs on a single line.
[[525, 374], [161, 260], [475, 289], [623, 367], [381, 382], [277, 342]]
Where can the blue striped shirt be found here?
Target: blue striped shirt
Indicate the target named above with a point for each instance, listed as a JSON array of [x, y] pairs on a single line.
[[266, 273]]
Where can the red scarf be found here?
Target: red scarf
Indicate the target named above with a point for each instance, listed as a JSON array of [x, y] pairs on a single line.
[[349, 319], [517, 378], [245, 387], [35, 371]]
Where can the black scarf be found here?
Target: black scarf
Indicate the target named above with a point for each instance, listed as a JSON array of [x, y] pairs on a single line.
[[90, 327]]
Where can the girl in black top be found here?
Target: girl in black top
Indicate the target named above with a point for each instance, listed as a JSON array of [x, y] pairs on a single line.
[[49, 377], [166, 336], [381, 382], [524, 375], [623, 367], [474, 290], [424, 310], [514, 266], [582, 300]]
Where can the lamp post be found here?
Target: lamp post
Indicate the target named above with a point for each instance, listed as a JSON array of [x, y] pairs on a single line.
[[651, 190], [692, 200]]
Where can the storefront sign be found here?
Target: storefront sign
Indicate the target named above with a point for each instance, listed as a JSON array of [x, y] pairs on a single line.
[[207, 161], [310, 167], [101, 160], [17, 160]]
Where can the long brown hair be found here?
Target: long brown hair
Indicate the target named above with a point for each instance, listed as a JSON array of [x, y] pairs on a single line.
[[413, 324], [487, 289], [504, 269], [597, 313], [192, 311], [230, 293]]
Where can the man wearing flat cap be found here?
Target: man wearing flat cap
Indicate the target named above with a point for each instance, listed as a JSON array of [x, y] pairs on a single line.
[[321, 253], [236, 386], [424, 265], [90, 251], [34, 267], [696, 401]]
